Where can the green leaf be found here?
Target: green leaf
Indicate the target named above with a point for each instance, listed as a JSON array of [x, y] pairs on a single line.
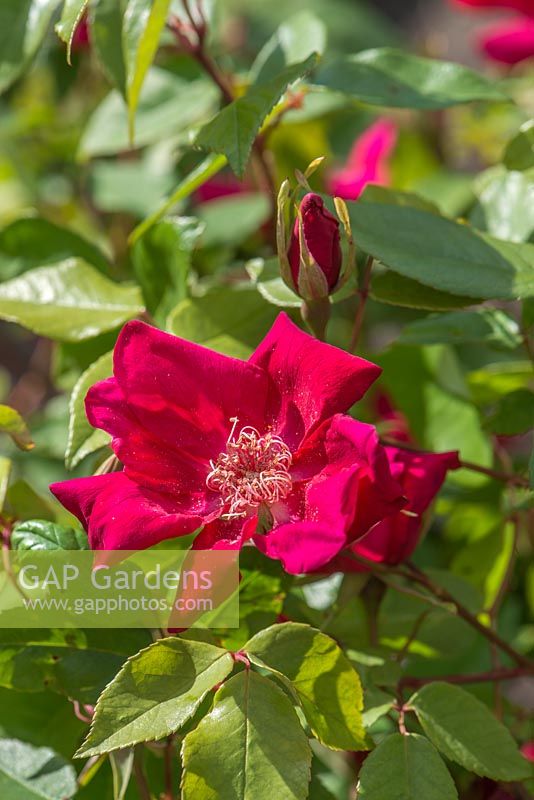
[[443, 254], [31, 242], [233, 130], [405, 768], [162, 262], [196, 178], [12, 423], [519, 152], [514, 414], [465, 731], [507, 203], [40, 534], [230, 320], [105, 18], [23, 502], [251, 745], [70, 301], [266, 277], [34, 773], [71, 16], [122, 762], [143, 24], [393, 78], [76, 663], [168, 107], [156, 691], [487, 325], [323, 678], [23, 25], [45, 721], [394, 289], [83, 438], [230, 220]]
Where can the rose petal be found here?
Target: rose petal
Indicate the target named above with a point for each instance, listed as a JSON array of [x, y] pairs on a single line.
[[309, 381], [184, 393], [120, 515], [509, 42]]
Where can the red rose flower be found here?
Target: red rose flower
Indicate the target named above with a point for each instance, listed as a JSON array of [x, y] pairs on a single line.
[[509, 42], [367, 162], [523, 6], [321, 235], [255, 449], [421, 476]]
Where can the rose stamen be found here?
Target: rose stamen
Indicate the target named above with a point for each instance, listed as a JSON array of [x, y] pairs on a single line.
[[253, 471]]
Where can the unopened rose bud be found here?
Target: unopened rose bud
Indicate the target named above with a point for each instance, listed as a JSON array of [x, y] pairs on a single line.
[[315, 247]]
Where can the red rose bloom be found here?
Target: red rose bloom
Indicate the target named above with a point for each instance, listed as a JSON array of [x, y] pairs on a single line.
[[250, 450]]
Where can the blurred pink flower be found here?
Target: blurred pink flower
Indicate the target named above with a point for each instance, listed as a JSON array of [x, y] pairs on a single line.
[[509, 42], [367, 161], [524, 6], [528, 750]]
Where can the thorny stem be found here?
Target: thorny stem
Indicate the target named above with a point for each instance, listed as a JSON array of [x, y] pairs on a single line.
[[496, 675], [139, 774], [198, 50], [363, 293], [415, 575], [506, 477], [168, 754], [443, 594]]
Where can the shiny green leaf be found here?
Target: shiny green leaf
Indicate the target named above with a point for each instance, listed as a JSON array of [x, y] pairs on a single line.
[[156, 691], [34, 773], [84, 439], [233, 130], [466, 731], [251, 745], [405, 768], [388, 77], [325, 682], [12, 423], [39, 534], [72, 13], [487, 325], [70, 301]]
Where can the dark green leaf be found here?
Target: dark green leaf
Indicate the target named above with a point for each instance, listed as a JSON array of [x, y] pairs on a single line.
[[70, 301], [233, 130], [156, 691], [39, 534], [324, 680], [230, 320], [398, 290], [487, 325], [84, 439], [162, 260], [251, 745], [405, 768], [466, 731], [443, 254], [77, 663], [106, 39], [514, 414], [34, 773], [388, 77], [33, 242]]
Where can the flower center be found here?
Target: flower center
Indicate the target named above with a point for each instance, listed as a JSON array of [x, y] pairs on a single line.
[[253, 471]]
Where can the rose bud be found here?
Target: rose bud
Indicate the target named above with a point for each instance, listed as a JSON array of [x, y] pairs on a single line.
[[314, 254]]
